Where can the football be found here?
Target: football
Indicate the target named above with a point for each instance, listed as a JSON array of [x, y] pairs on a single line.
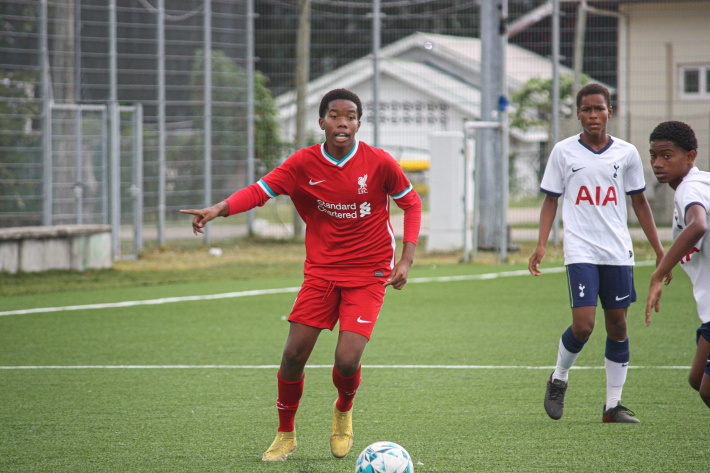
[[384, 457]]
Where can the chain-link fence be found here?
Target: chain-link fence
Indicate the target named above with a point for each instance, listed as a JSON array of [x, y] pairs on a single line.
[[65, 63], [417, 65]]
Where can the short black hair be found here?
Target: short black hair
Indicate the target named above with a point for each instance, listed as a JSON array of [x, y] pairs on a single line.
[[337, 94], [679, 133], [594, 89]]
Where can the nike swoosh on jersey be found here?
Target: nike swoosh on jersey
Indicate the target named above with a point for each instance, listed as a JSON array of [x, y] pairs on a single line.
[[360, 321], [622, 298], [578, 169], [310, 181]]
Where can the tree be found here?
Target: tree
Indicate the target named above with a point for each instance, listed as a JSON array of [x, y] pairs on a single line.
[[19, 143], [229, 96], [229, 125], [19, 150], [532, 107]]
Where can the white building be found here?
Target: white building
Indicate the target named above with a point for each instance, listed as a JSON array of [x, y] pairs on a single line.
[[664, 74], [428, 83]]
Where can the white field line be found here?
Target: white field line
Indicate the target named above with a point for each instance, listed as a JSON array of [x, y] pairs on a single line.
[[262, 292], [295, 289], [165, 300], [270, 367]]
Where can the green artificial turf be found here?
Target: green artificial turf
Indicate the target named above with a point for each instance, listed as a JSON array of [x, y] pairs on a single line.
[[455, 372]]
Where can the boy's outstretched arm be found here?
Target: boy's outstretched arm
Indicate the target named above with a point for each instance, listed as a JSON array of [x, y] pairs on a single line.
[[202, 216], [696, 227]]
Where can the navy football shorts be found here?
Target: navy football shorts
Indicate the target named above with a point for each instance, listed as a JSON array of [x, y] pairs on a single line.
[[704, 331], [613, 285]]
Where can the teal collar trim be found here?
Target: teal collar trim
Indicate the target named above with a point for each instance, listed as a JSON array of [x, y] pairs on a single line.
[[342, 162]]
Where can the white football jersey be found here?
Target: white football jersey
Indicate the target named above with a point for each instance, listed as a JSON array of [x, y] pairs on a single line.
[[593, 185], [695, 189]]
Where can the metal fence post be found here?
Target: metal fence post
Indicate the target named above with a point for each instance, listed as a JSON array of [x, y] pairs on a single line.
[[207, 109], [162, 168], [46, 119], [251, 142], [138, 179], [556, 99], [477, 127], [376, 34], [504, 137], [78, 185], [115, 176], [115, 139], [104, 167]]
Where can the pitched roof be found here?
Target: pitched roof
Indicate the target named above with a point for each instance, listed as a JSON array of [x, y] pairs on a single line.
[[444, 66]]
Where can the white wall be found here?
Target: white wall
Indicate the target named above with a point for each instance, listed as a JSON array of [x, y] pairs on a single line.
[[662, 38]]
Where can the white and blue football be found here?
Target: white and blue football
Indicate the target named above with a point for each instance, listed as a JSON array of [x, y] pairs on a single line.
[[384, 457]]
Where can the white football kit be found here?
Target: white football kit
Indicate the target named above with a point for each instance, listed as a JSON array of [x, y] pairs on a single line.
[[593, 185], [695, 189]]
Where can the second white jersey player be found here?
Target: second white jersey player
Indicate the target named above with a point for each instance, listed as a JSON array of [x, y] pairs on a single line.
[[695, 189], [594, 185]]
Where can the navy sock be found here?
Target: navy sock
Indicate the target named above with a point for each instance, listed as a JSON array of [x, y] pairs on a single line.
[[572, 343], [617, 352]]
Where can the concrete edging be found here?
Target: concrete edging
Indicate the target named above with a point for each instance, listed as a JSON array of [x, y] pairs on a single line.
[[33, 249]]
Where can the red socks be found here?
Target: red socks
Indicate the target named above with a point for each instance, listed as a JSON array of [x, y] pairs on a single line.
[[347, 387], [290, 393]]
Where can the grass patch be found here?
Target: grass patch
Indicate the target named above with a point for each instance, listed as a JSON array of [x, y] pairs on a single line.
[[185, 261], [152, 415]]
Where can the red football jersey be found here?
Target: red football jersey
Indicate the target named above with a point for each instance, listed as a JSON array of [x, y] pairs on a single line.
[[345, 205]]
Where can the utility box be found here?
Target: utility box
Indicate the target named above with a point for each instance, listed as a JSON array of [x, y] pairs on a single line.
[[447, 190]]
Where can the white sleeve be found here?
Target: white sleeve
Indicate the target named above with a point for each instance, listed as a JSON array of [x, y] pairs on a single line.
[[688, 195], [634, 181], [691, 194], [553, 181]]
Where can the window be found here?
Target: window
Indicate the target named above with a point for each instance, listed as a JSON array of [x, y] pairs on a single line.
[[695, 82], [691, 81]]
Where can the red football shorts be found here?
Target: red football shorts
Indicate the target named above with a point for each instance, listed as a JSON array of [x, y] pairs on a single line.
[[356, 304]]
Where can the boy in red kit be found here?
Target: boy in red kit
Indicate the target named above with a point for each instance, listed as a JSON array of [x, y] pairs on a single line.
[[341, 189]]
